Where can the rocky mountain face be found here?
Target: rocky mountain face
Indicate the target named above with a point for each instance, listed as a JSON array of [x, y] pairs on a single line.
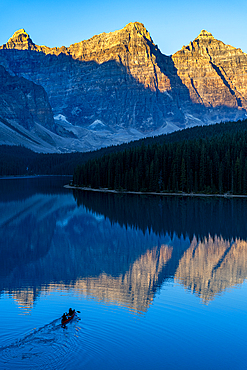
[[118, 86], [26, 116], [17, 93], [214, 73]]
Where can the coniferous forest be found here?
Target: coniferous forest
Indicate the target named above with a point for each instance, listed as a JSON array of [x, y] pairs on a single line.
[[210, 159], [216, 163]]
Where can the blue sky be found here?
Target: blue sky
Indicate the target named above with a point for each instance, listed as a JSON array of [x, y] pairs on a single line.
[[172, 23]]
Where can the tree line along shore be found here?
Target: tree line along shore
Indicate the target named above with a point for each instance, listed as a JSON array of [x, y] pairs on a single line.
[[204, 159], [211, 165]]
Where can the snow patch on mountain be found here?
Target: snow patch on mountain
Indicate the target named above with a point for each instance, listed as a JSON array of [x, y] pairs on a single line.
[[60, 117], [98, 125]]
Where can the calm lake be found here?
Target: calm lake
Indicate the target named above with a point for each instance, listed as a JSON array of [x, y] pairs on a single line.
[[160, 282]]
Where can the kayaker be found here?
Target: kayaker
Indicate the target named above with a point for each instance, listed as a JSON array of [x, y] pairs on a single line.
[[64, 317], [71, 311]]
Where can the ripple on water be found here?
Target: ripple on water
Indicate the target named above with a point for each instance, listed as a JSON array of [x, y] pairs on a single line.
[[55, 347], [46, 348]]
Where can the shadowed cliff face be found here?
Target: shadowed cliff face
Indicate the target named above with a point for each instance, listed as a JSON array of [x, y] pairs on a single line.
[[17, 93], [132, 47], [122, 80], [114, 78]]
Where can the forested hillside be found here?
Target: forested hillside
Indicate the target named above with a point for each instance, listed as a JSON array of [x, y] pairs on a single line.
[[215, 162], [17, 160]]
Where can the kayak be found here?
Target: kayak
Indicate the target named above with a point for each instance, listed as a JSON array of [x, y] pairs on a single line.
[[68, 319]]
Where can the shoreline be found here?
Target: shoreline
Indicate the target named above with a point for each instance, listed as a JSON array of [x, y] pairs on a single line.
[[160, 194], [11, 177]]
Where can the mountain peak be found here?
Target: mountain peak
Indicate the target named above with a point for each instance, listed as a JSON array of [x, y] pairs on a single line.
[[20, 32], [205, 35], [19, 35], [139, 28], [136, 25], [20, 40]]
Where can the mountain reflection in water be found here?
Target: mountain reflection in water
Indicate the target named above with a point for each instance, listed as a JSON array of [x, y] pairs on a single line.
[[210, 266], [118, 248]]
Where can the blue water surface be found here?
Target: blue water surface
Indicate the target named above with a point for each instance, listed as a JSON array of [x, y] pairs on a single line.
[[157, 282]]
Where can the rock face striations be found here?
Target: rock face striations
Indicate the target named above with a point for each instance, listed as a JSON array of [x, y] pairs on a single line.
[[21, 41], [17, 93], [214, 73], [26, 116], [119, 86], [114, 78]]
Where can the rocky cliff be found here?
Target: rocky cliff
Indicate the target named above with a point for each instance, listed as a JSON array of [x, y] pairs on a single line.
[[118, 86], [214, 73], [114, 78], [26, 116], [17, 93]]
